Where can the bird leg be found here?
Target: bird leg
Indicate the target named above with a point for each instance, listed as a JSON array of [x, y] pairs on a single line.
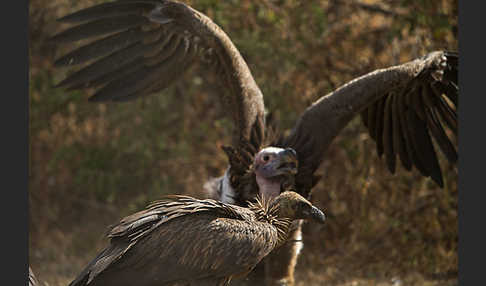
[[277, 269], [280, 263]]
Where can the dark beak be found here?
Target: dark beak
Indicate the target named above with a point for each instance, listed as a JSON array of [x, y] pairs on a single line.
[[317, 215], [288, 162]]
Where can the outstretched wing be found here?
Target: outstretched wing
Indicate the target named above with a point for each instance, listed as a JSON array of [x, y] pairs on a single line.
[[403, 107], [140, 47], [155, 244]]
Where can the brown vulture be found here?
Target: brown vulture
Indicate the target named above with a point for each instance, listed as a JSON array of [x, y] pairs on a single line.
[[183, 240], [140, 47]]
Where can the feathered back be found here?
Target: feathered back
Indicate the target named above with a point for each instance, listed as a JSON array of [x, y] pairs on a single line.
[[180, 238], [134, 227]]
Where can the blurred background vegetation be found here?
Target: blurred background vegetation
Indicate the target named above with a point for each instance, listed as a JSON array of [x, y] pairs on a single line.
[[91, 164]]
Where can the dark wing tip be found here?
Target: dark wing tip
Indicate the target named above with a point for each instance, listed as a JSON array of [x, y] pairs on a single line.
[[109, 9]]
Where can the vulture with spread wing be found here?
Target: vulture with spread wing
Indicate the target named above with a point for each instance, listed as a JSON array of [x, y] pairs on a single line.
[[140, 47], [182, 240]]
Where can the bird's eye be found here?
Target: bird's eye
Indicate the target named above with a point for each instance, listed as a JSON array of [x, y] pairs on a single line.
[[266, 158]]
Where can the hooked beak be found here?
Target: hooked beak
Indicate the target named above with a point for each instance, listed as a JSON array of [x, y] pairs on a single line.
[[317, 215], [287, 162]]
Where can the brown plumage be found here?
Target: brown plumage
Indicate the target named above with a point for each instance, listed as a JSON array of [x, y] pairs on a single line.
[[147, 45], [181, 239], [150, 44]]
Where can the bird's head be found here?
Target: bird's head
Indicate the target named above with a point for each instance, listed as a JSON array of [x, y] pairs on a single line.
[[272, 162], [292, 205], [273, 166]]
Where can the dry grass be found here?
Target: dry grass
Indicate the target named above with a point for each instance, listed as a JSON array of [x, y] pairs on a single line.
[[92, 164]]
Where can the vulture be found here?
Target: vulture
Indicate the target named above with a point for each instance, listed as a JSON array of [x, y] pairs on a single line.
[[140, 47], [183, 240]]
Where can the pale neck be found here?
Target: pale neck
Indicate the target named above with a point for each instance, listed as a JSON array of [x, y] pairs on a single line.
[[269, 189]]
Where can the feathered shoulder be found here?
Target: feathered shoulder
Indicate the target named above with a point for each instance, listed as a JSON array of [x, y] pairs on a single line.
[[266, 211], [135, 226]]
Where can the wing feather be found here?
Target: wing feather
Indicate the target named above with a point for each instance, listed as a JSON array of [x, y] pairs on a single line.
[[399, 140], [105, 66], [378, 134], [140, 47], [100, 27], [372, 114], [441, 137], [108, 10], [388, 133], [401, 106], [152, 243], [408, 132], [102, 47]]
